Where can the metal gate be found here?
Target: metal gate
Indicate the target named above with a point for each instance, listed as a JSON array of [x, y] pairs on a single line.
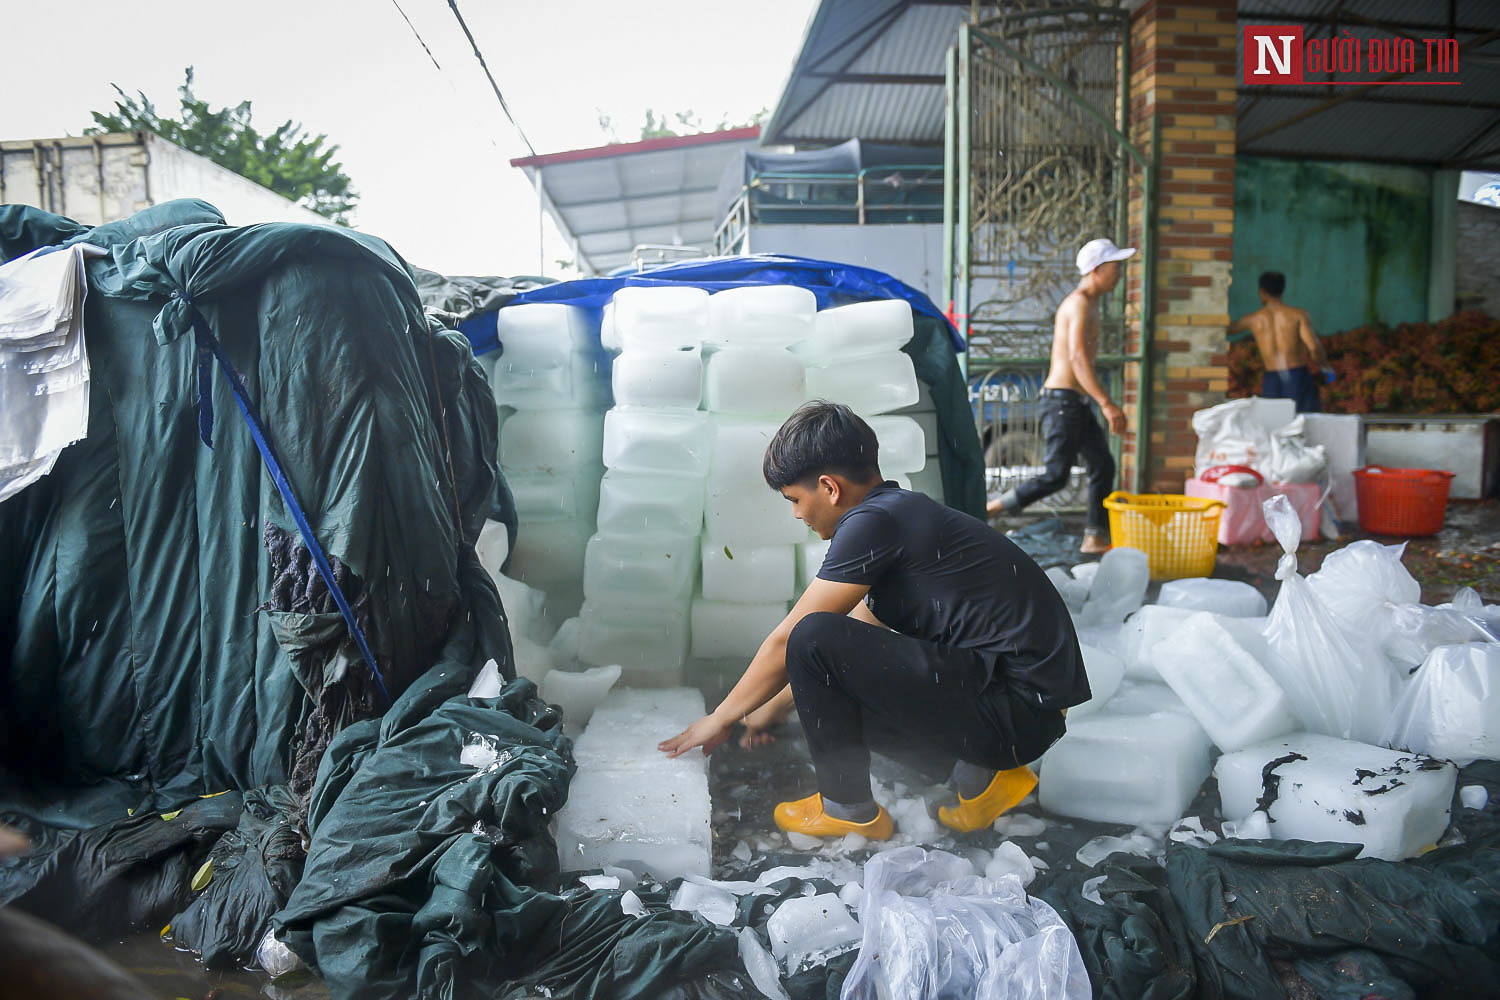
[[1037, 164]]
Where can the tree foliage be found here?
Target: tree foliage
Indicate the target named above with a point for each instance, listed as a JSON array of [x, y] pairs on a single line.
[[660, 124], [287, 160]]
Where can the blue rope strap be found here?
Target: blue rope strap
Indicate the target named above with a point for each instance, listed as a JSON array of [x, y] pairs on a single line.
[[209, 349]]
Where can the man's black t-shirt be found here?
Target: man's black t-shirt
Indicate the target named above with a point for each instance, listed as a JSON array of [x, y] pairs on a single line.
[[940, 575]]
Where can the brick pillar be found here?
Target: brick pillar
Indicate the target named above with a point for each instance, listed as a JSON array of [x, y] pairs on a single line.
[[1183, 80]]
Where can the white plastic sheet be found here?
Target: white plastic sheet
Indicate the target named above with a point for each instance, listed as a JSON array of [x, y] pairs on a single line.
[[934, 929], [1451, 708], [1339, 685]]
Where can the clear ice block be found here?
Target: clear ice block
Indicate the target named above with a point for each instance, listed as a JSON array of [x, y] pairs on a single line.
[[648, 640], [856, 330], [664, 317], [650, 503], [874, 384], [749, 573], [1222, 597], [658, 379], [761, 315], [623, 567], [1125, 768], [754, 381], [903, 448], [1218, 667], [1118, 588], [726, 629], [656, 441], [547, 441], [748, 514]]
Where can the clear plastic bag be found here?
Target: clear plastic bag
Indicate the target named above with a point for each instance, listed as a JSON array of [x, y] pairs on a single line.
[[1339, 684], [934, 929], [1361, 582], [1451, 708]]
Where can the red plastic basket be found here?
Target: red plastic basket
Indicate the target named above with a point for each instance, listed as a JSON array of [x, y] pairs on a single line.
[[1406, 502]]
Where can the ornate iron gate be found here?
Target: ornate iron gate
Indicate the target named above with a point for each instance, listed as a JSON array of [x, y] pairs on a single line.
[[1038, 164]]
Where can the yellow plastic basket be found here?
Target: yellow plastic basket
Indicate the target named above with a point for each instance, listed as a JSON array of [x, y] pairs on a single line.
[[1180, 535]]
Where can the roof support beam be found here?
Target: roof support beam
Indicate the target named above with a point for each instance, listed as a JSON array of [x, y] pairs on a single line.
[[929, 79], [876, 28], [619, 198]]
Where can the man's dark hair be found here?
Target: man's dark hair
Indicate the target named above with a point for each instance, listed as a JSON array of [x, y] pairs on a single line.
[[1273, 283], [819, 439]]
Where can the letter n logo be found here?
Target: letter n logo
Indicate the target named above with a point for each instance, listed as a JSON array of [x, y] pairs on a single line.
[[1273, 54]]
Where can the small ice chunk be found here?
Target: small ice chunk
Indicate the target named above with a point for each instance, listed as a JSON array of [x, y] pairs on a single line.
[[578, 694], [1125, 768], [488, 683], [741, 852], [1105, 670], [1474, 796], [1222, 597], [1020, 825], [1189, 830], [716, 905], [1096, 850], [853, 842], [1010, 860], [1219, 668], [479, 751], [914, 820], [808, 930], [1091, 889], [852, 895], [631, 905], [761, 966], [276, 958], [1325, 789], [803, 842], [1118, 588], [1085, 572], [625, 876], [600, 881], [1256, 826]]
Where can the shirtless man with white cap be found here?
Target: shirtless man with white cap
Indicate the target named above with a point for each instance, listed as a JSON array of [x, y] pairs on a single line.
[[1068, 425]]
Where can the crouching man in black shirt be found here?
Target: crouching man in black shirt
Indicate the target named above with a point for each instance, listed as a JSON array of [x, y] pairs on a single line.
[[925, 632]]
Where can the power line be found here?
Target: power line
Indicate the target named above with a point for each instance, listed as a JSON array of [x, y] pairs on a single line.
[[485, 66], [418, 35]]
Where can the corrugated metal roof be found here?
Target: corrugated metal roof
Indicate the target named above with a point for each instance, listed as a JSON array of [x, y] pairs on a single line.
[[610, 199]]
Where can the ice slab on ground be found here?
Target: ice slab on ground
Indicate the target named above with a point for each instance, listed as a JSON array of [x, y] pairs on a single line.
[[629, 804], [754, 381], [725, 629], [579, 692], [809, 930], [749, 573], [1316, 787], [1118, 588], [1218, 667], [903, 448], [1096, 850], [623, 567], [1125, 768], [877, 383], [675, 441], [546, 441], [1142, 631], [649, 641], [658, 379], [1104, 672], [650, 503], [665, 317], [1223, 597], [716, 905], [761, 315], [1146, 698], [1451, 706], [856, 330]]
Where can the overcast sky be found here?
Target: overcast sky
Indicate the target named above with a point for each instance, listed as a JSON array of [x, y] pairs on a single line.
[[428, 151]]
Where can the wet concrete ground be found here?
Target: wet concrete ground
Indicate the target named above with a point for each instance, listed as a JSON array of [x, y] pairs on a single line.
[[746, 785]]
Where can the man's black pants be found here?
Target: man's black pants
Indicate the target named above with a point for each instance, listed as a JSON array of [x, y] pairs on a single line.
[[860, 687], [1069, 429]]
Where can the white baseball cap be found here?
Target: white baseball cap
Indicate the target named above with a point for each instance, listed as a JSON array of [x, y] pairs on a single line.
[[1096, 252]]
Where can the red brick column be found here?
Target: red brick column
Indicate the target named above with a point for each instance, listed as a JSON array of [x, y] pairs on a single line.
[[1183, 80]]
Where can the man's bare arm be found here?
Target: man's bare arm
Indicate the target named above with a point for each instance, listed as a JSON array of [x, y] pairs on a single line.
[[1310, 340], [1241, 325], [1073, 317]]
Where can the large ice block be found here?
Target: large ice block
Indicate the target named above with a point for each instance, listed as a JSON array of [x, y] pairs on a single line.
[[1218, 667], [664, 317], [630, 805], [725, 629], [1104, 672], [749, 514], [1143, 630], [1327, 789], [902, 446], [579, 692], [547, 358], [767, 381], [609, 337], [648, 640], [809, 930], [749, 573], [1135, 697], [656, 441], [809, 560], [856, 330], [566, 494], [658, 379], [623, 567], [1222, 597], [546, 441], [1451, 706], [761, 315], [1125, 768], [650, 503], [1118, 588], [739, 449], [877, 383]]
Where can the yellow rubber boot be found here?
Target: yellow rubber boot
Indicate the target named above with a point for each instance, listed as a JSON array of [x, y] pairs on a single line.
[[1005, 792], [807, 816]]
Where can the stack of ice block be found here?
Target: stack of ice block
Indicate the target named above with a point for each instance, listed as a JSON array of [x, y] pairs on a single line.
[[854, 357], [640, 567], [630, 805], [752, 382], [549, 384]]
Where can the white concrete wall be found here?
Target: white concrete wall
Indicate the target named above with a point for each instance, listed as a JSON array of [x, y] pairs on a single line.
[[173, 172]]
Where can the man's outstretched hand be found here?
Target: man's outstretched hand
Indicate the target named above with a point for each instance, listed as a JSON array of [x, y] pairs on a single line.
[[1116, 418], [708, 733]]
